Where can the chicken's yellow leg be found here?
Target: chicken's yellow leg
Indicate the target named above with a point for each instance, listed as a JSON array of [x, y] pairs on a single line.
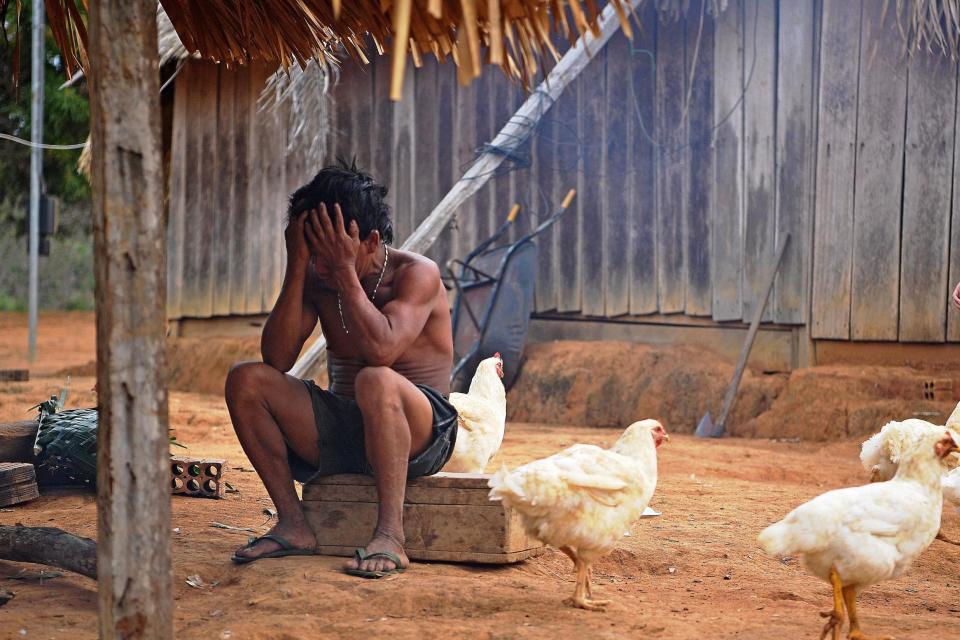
[[850, 598], [581, 593], [599, 603], [835, 622]]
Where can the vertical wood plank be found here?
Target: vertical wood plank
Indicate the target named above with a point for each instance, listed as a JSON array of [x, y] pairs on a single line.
[[344, 94], [484, 133], [593, 183], [425, 186], [464, 142], [445, 151], [403, 157], [836, 159], [616, 177], [275, 212], [727, 188], [568, 265], [201, 158], [953, 314], [928, 175], [381, 165], [795, 156], [355, 90], [671, 136], [502, 96], [642, 205], [879, 180], [179, 179], [225, 214], [244, 101], [759, 228], [699, 160], [258, 159], [135, 590]]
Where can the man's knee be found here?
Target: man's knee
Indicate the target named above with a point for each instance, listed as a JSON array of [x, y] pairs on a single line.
[[247, 381], [377, 389]]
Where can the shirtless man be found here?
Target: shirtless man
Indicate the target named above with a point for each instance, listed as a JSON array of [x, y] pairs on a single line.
[[390, 351]]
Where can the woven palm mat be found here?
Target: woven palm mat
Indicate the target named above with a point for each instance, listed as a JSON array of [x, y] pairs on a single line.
[[67, 446]]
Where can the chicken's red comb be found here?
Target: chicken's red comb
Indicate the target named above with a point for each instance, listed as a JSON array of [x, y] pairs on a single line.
[[497, 355]]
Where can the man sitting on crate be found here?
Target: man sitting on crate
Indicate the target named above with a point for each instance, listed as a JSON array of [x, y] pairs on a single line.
[[385, 316]]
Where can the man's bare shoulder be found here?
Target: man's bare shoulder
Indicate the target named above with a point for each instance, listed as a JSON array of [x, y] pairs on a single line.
[[415, 268]]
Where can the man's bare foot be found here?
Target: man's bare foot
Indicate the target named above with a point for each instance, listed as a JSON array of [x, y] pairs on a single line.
[[381, 542], [299, 535]]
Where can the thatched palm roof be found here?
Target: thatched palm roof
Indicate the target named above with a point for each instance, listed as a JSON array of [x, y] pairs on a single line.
[[516, 33]]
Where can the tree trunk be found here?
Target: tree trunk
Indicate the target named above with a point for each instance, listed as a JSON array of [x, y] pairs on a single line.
[[133, 493], [49, 546]]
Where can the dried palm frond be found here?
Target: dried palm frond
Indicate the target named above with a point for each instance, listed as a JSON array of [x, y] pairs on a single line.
[[307, 92], [168, 42], [927, 25], [516, 33]]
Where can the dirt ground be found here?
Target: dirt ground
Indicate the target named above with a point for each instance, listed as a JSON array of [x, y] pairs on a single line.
[[695, 572]]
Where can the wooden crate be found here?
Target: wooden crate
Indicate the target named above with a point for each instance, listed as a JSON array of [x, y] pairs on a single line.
[[446, 517]]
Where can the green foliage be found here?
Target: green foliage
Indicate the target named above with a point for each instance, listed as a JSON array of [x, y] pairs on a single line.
[[66, 276]]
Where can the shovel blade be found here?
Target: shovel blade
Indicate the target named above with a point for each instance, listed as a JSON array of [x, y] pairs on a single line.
[[706, 428]]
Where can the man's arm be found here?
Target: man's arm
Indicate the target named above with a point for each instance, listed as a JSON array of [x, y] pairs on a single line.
[[383, 335], [293, 317]]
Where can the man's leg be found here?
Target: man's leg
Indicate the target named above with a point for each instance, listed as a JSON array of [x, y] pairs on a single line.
[[269, 409], [397, 425]]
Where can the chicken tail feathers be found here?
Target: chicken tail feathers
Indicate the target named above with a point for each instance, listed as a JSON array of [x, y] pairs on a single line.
[[775, 539], [503, 487]]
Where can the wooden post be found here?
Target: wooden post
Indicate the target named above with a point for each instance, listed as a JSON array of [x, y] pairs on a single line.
[[133, 494]]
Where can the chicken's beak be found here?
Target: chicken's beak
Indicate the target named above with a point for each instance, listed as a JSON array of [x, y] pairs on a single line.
[[666, 437]]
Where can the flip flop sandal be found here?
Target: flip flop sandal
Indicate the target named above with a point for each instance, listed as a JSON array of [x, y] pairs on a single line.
[[360, 555], [286, 549]]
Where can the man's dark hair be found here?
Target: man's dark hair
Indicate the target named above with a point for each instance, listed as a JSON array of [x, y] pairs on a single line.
[[359, 196]]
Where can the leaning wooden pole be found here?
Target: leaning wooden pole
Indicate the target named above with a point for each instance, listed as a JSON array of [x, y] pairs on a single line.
[[133, 494], [518, 129]]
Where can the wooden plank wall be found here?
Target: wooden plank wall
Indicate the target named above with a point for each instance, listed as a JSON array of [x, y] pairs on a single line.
[[230, 175], [886, 183], [695, 148]]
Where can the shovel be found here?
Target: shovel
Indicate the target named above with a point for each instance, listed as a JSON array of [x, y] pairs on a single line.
[[706, 428]]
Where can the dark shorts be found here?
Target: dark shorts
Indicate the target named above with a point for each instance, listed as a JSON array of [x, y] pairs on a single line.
[[340, 437]]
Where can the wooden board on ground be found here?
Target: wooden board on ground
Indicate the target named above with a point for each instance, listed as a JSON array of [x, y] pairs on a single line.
[[446, 517], [18, 483], [16, 441]]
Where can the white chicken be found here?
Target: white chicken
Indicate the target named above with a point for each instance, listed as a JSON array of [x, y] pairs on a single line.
[[880, 453], [583, 499], [482, 417], [855, 537]]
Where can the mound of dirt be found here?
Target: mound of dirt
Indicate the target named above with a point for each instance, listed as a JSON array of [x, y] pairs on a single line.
[[827, 403], [611, 384], [198, 365]]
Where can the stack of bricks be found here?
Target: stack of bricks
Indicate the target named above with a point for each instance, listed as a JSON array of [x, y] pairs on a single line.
[[196, 478]]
